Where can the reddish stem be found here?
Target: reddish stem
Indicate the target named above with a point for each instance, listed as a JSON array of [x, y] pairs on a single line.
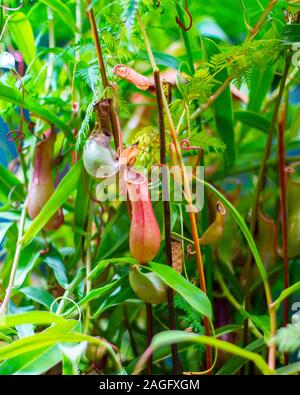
[[283, 209], [167, 215], [101, 65]]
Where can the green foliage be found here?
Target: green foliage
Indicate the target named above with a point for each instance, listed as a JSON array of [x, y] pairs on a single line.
[[69, 286], [288, 338], [240, 60]]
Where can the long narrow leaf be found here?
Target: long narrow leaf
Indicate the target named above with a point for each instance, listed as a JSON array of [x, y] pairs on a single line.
[[63, 11], [193, 295], [61, 194], [14, 96], [171, 337]]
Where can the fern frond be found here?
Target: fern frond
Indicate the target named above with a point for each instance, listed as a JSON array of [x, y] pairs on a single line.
[[200, 86], [191, 318], [240, 60], [90, 75], [207, 142], [148, 140], [129, 14], [288, 338], [85, 126]]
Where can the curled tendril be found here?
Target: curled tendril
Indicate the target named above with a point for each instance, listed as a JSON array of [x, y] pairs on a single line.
[[47, 249], [90, 193], [186, 146], [180, 23], [13, 9], [190, 250], [15, 135], [69, 300], [16, 204]]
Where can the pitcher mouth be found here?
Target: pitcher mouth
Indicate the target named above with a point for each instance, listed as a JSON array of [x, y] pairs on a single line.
[[135, 177]]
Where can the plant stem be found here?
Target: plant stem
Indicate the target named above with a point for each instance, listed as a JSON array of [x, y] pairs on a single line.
[[79, 26], [97, 44], [77, 40], [129, 330], [211, 99], [283, 209], [149, 335], [88, 263], [261, 20], [227, 294], [187, 192], [51, 57], [207, 249], [14, 267], [167, 215], [76, 280], [193, 222], [102, 67], [254, 213], [263, 273]]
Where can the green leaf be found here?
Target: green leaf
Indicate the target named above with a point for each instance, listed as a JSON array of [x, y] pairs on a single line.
[[33, 317], [193, 295], [295, 126], [4, 228], [222, 107], [32, 363], [293, 368], [120, 295], [100, 267], [38, 295], [8, 181], [96, 294], [260, 84], [162, 59], [235, 363], [253, 120], [54, 260], [71, 357], [159, 355], [286, 293], [61, 194], [171, 337], [80, 212], [261, 321], [39, 340], [63, 11], [28, 258], [291, 34], [22, 34], [244, 228], [115, 235], [14, 96], [227, 329]]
